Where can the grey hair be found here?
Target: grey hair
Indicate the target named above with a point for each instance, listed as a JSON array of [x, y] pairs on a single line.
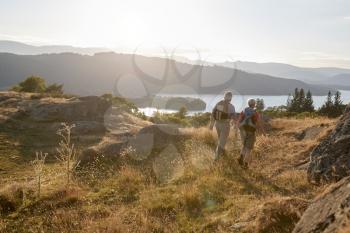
[[251, 102]]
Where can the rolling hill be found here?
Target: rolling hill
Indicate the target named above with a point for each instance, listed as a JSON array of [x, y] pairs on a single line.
[[137, 76]]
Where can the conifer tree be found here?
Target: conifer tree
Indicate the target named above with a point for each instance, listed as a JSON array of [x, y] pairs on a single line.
[[338, 106], [301, 101], [328, 106], [293, 105], [309, 103]]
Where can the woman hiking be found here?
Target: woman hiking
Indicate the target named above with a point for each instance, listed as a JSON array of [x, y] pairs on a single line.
[[249, 122]]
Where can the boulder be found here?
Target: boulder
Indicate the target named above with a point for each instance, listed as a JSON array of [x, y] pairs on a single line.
[[330, 160], [150, 140], [309, 133], [154, 138], [329, 212]]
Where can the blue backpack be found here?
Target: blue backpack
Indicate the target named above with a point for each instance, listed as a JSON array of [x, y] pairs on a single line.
[[247, 123]]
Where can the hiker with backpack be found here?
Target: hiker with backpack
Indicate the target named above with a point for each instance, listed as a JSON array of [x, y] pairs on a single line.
[[222, 116], [248, 123]]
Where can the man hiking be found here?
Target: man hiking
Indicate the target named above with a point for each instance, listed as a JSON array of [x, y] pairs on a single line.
[[222, 115], [248, 123]]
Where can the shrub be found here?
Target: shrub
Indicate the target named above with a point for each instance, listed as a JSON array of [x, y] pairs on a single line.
[[199, 119], [66, 151], [35, 84], [55, 88], [182, 113], [169, 118], [31, 84]]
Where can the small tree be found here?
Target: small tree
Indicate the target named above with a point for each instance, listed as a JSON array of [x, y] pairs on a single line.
[[33, 84], [327, 108], [337, 99], [301, 101], [66, 151], [38, 164], [182, 112], [329, 103], [260, 105], [309, 103], [293, 102]]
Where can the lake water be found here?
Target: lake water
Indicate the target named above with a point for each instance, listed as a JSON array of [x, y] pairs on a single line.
[[240, 101]]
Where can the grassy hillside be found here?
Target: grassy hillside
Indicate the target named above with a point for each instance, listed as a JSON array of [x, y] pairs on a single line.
[[195, 195]]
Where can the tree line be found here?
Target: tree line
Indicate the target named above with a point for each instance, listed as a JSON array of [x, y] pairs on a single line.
[[300, 102]]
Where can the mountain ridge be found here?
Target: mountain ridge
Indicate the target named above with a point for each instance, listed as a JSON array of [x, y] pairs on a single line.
[[318, 75], [19, 48], [99, 74]]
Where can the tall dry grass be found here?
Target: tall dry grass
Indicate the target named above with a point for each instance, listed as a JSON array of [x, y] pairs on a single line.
[[208, 197], [38, 165], [67, 155]]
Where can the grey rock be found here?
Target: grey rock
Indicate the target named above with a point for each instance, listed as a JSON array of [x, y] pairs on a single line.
[[329, 212], [154, 138], [150, 140], [330, 160], [309, 133]]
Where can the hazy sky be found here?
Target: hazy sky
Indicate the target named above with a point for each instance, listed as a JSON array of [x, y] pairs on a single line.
[[300, 32]]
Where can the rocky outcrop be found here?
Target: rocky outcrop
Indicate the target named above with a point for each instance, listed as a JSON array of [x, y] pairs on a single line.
[[310, 133], [28, 110], [91, 108], [330, 160], [329, 213], [24, 115]]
